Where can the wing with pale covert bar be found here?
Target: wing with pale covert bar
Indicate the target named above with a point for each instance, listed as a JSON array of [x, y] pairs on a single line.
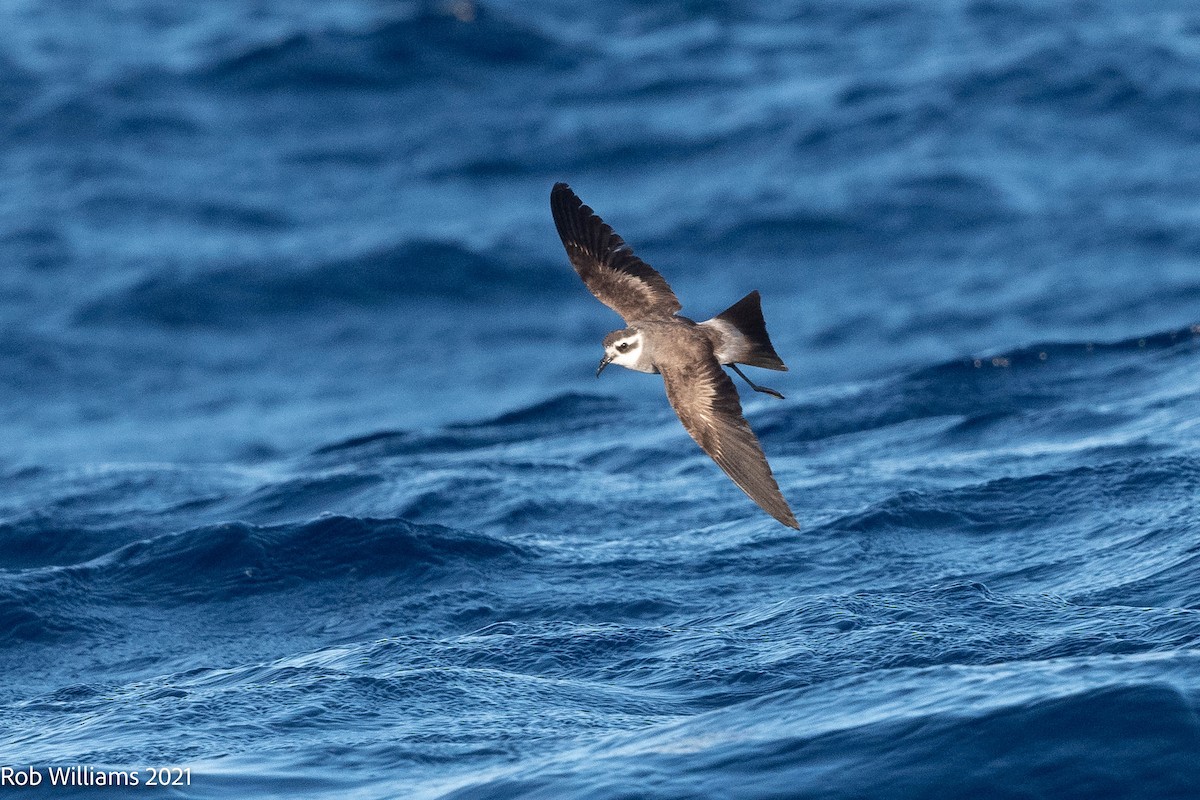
[[617, 277], [706, 401]]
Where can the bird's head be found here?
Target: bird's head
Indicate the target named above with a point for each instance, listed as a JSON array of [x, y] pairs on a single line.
[[621, 347]]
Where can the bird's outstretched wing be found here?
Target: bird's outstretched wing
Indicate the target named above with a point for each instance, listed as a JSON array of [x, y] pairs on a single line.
[[706, 401], [618, 278]]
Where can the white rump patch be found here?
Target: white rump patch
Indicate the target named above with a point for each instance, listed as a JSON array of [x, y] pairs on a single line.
[[731, 342]]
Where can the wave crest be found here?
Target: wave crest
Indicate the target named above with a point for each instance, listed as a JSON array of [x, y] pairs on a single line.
[[234, 559]]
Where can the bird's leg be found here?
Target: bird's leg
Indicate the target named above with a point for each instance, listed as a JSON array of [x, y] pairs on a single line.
[[754, 385]]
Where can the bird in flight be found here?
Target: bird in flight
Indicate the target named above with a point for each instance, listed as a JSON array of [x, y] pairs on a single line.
[[688, 355]]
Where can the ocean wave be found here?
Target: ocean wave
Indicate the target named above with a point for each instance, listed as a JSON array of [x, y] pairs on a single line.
[[18, 623], [1041, 501], [43, 542], [306, 495], [41, 609], [237, 559], [573, 407], [31, 361], [889, 215], [39, 246], [16, 88], [1148, 80], [429, 45], [912, 735], [223, 562], [569, 411], [979, 389], [211, 213], [124, 111], [236, 295]]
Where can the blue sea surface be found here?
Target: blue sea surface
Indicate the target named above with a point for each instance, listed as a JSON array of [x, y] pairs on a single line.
[[306, 485]]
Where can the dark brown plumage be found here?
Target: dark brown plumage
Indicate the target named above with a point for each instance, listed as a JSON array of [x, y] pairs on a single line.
[[707, 403], [618, 278]]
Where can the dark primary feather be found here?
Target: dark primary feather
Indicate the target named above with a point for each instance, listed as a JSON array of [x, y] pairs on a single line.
[[706, 401], [617, 277]]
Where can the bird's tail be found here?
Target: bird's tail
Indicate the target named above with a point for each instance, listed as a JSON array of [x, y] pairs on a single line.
[[757, 351]]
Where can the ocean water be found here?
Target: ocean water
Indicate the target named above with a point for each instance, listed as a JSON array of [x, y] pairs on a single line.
[[307, 487]]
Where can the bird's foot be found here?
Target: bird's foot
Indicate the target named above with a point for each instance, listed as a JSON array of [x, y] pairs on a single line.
[[754, 385]]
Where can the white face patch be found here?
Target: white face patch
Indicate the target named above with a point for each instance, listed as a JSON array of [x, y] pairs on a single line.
[[626, 351]]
